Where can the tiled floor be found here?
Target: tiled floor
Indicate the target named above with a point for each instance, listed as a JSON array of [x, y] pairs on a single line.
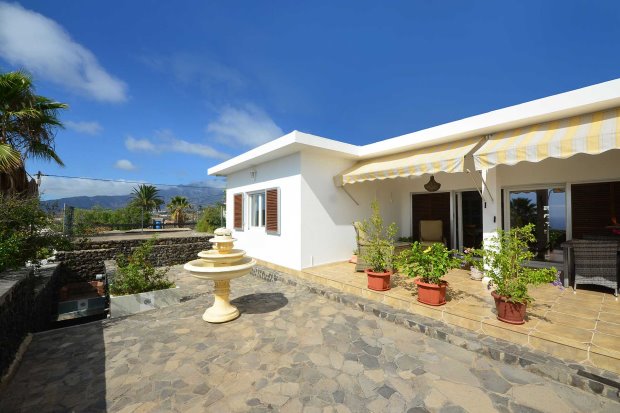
[[584, 327]]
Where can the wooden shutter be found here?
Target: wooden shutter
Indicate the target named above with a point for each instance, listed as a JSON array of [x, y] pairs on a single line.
[[238, 212], [272, 213]]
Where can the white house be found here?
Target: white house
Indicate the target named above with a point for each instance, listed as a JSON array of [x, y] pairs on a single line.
[[553, 161]]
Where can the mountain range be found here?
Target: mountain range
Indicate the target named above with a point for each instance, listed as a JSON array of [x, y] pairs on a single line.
[[197, 197]]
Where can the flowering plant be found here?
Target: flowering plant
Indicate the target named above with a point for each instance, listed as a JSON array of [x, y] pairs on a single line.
[[429, 263], [474, 257]]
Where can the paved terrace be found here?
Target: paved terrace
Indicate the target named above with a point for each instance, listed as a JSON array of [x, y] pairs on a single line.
[[582, 327], [291, 351]]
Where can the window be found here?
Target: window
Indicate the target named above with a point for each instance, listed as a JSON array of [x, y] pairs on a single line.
[[546, 209], [257, 209]]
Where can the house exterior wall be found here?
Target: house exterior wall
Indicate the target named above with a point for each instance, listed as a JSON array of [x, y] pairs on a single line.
[[285, 248], [328, 212]]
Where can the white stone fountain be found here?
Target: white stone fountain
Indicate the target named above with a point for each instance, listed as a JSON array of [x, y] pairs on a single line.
[[221, 264]]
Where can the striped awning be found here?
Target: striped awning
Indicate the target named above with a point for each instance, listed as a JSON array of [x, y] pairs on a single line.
[[593, 133], [446, 157]]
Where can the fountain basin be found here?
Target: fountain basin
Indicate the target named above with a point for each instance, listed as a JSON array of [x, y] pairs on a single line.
[[201, 268]]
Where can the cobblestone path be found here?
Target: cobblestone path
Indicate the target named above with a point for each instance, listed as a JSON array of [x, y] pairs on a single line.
[[290, 351]]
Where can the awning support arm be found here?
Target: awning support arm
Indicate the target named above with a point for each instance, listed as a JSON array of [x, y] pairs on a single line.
[[481, 190], [350, 196]]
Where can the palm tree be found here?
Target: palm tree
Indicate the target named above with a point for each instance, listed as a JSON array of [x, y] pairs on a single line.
[[28, 122], [177, 207], [145, 196]]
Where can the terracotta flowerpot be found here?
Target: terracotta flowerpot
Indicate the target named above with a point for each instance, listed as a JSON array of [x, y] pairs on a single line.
[[509, 312], [431, 294], [378, 281]]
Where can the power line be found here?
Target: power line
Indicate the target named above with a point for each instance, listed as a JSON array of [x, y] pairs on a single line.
[[123, 181]]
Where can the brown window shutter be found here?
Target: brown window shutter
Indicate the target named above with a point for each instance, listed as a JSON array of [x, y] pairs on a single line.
[[272, 206], [238, 212]]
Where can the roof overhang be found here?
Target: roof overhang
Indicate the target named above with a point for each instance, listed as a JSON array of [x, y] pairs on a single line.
[[585, 100], [281, 147]]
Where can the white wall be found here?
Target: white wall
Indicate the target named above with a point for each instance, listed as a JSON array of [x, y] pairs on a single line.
[[328, 212], [283, 249]]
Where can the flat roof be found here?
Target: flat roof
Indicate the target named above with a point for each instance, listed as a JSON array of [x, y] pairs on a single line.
[[588, 99]]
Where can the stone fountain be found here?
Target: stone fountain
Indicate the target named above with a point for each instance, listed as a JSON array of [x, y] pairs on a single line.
[[221, 264]]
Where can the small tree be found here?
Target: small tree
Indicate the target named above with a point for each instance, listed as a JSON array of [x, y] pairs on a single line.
[[177, 207], [379, 253], [504, 256], [146, 197], [211, 219]]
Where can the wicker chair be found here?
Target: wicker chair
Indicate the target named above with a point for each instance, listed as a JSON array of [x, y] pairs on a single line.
[[596, 262]]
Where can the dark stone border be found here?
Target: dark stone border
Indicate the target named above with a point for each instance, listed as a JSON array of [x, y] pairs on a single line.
[[597, 381]]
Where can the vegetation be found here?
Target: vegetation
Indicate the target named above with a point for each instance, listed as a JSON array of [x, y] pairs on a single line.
[[504, 256], [211, 219], [136, 274], [177, 207], [27, 232], [27, 122], [98, 219], [379, 253], [146, 197], [429, 263]]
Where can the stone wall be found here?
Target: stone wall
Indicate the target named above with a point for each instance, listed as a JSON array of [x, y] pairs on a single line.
[[86, 261], [26, 306]]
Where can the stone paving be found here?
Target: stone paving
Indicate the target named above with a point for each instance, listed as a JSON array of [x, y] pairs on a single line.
[[290, 351]]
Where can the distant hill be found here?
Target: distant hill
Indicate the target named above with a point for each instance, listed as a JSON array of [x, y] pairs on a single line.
[[198, 197]]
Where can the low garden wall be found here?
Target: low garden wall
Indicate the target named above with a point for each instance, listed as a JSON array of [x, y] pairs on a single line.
[[26, 306], [86, 260]]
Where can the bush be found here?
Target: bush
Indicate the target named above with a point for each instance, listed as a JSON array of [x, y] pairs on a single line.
[[98, 219], [27, 232], [136, 274], [211, 219], [504, 257], [429, 263]]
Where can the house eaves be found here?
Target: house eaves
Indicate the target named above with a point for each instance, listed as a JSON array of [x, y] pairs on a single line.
[[588, 99]]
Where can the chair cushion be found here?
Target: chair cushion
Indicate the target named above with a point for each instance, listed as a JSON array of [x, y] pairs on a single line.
[[431, 230]]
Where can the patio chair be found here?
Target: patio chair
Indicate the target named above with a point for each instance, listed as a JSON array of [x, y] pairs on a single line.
[[362, 242], [596, 262], [431, 232]]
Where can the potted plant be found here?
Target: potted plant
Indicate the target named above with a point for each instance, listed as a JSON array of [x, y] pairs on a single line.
[[378, 253], [428, 264], [504, 256]]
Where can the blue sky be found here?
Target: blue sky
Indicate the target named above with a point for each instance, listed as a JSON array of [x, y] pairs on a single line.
[[161, 91]]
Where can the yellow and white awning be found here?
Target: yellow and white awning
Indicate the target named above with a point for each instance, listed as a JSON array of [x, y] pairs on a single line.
[[448, 157], [593, 133]]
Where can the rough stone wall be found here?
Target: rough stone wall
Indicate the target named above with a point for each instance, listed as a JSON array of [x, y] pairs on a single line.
[[87, 261], [26, 306]]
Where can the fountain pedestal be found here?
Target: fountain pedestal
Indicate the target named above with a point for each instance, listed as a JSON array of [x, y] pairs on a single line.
[[221, 264]]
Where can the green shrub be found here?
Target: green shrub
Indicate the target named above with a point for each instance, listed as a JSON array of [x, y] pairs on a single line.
[[27, 232], [504, 257], [136, 274], [429, 263], [379, 252], [210, 219], [98, 219]]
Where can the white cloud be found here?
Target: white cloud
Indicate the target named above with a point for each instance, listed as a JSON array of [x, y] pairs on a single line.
[[247, 126], [166, 141], [140, 145], [124, 164], [41, 45], [88, 128], [196, 70], [53, 187]]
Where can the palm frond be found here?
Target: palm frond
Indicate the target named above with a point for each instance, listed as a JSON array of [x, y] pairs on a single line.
[[10, 159]]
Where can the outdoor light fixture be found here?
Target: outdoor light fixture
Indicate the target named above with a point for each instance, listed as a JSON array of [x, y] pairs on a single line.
[[432, 185], [253, 174]]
